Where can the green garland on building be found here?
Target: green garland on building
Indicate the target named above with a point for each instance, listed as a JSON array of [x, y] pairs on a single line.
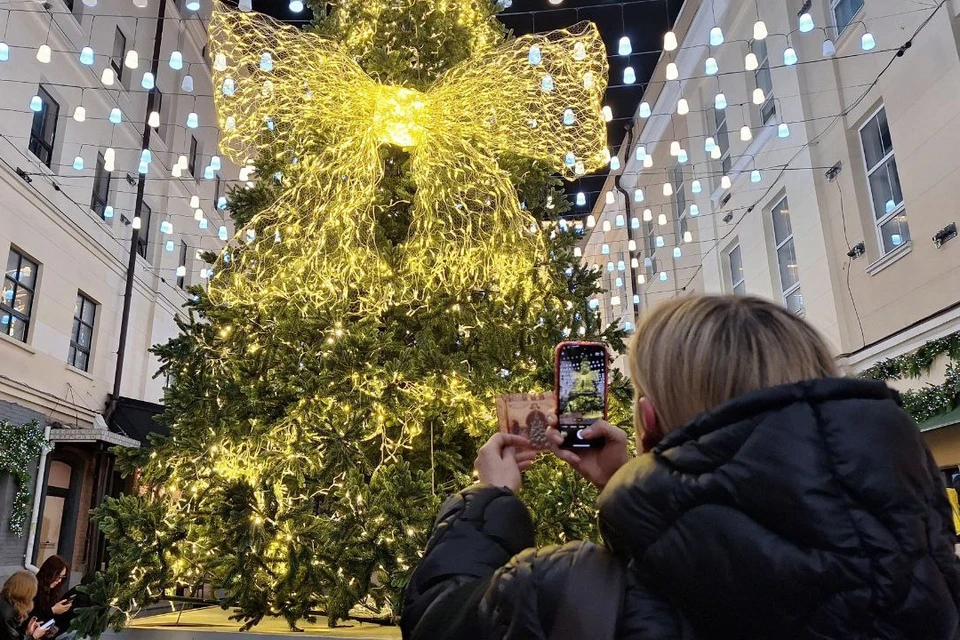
[[20, 446], [931, 400]]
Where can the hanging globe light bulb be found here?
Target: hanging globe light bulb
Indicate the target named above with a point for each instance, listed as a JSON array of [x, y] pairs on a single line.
[[86, 56], [195, 204], [711, 68], [108, 77], [662, 219], [806, 24], [624, 47], [44, 53], [687, 236], [868, 42], [222, 233], [546, 83], [231, 124], [783, 131], [187, 84], [751, 62], [116, 116], [198, 215], [755, 176], [647, 215], [591, 221], [716, 154], [709, 144], [760, 30], [694, 210], [4, 52], [615, 163], [659, 242], [36, 104], [80, 114], [676, 252], [166, 227], [181, 271], [109, 159], [634, 224], [176, 60], [143, 168], [296, 6], [607, 113], [696, 187], [148, 82], [107, 212], [168, 246], [535, 56], [645, 111], [829, 49], [667, 189], [725, 182], [746, 135], [610, 199], [208, 173], [176, 171], [675, 148], [193, 5], [203, 224], [629, 76], [193, 121], [673, 72], [229, 88], [245, 5], [683, 157], [716, 37], [759, 97], [720, 102], [132, 59], [569, 119], [648, 161], [790, 57], [215, 163], [638, 195], [78, 163], [670, 41], [641, 153], [683, 107], [266, 62], [220, 62], [581, 199], [154, 119]]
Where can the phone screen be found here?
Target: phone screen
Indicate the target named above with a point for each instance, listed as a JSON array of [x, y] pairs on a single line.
[[581, 390], [47, 624]]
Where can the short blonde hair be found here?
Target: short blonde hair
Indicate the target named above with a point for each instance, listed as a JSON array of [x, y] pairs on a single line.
[[19, 590], [692, 354]]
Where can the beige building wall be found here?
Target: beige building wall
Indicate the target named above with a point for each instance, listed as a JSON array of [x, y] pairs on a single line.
[[50, 220], [878, 305]]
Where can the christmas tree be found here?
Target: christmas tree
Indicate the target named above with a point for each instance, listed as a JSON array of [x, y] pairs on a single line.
[[393, 272]]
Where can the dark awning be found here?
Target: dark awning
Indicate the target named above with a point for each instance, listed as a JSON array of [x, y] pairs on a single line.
[[137, 419], [947, 419]]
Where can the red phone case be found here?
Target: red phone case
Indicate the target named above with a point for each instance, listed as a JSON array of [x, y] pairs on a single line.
[[556, 373]]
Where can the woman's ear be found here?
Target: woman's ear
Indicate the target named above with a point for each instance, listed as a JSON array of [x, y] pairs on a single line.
[[652, 433]]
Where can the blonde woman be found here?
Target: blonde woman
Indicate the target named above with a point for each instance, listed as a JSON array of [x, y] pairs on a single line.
[[772, 499], [16, 600]]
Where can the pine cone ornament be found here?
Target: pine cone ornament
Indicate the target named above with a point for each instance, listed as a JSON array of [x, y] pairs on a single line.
[[537, 429]]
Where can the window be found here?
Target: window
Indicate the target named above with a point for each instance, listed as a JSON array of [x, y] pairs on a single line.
[[43, 133], [787, 257], [143, 240], [679, 205], [119, 51], [192, 160], [16, 300], [762, 75], [735, 266], [81, 340], [722, 137], [182, 280], [101, 188], [844, 12], [884, 183]]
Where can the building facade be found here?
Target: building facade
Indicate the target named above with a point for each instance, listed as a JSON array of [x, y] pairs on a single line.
[[812, 166], [76, 79]]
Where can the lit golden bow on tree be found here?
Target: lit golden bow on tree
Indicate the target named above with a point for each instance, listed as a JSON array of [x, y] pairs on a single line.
[[322, 242]]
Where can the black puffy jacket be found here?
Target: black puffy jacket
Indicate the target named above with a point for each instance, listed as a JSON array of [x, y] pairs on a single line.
[[805, 511]]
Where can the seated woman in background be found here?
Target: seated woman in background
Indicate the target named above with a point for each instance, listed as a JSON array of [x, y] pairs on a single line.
[[772, 499], [16, 599]]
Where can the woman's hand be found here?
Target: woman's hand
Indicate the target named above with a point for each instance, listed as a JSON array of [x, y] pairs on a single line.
[[62, 607], [596, 465], [503, 459], [34, 630]]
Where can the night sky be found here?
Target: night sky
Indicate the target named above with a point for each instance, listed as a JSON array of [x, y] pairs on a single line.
[[644, 21]]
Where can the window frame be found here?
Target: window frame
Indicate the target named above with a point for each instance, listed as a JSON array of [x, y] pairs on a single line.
[[722, 139], [143, 239], [217, 187], [8, 309], [116, 63], [795, 288], [37, 141], [764, 70], [680, 222], [158, 107], [901, 207], [76, 347], [97, 204], [737, 287], [833, 14], [194, 154]]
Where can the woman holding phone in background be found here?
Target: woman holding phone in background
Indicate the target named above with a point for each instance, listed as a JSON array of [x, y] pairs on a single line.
[[16, 599], [51, 578], [771, 499]]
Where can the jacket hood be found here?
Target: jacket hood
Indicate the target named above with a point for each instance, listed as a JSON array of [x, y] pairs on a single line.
[[795, 511]]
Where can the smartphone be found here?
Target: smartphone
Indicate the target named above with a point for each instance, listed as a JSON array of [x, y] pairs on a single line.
[[581, 391], [46, 625]]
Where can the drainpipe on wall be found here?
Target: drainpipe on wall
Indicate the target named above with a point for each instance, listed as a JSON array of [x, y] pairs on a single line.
[[35, 514]]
